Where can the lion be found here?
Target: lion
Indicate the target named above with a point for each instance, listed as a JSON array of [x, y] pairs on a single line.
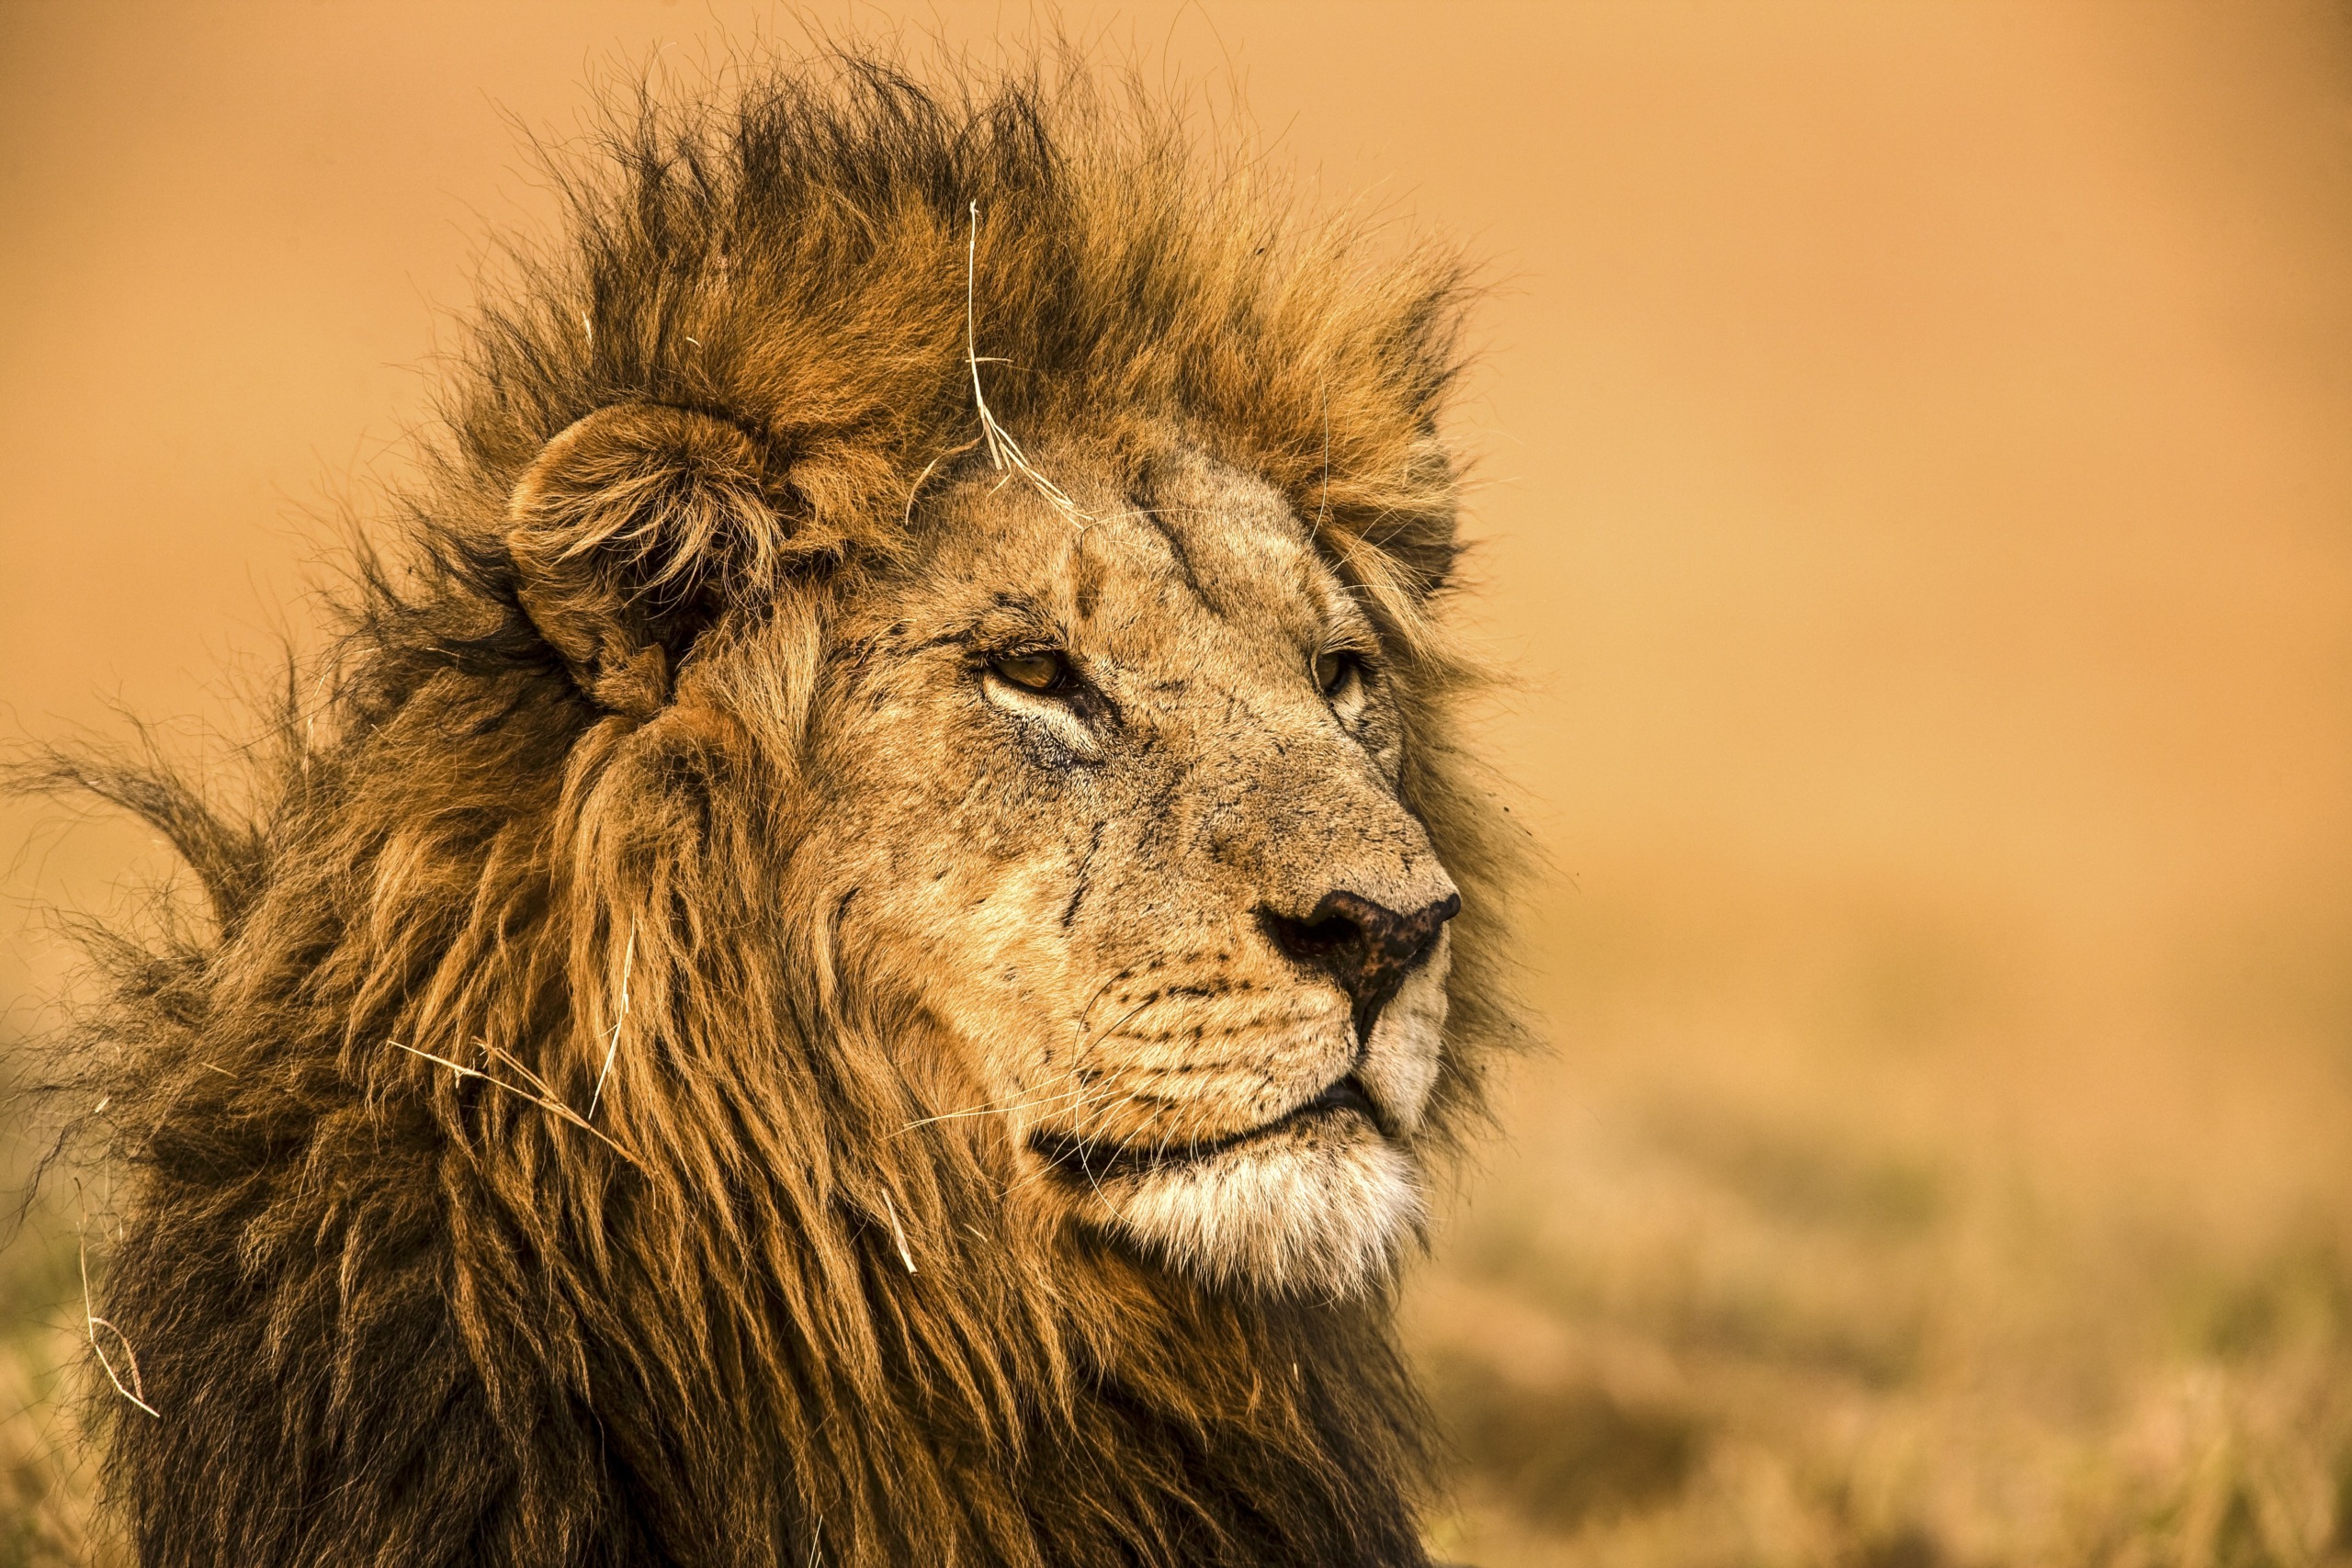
[[869, 944]]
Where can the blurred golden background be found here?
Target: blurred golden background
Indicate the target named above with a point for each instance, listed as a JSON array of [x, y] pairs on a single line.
[[1916, 446]]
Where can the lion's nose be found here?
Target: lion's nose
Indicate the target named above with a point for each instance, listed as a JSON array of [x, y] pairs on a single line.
[[1368, 948]]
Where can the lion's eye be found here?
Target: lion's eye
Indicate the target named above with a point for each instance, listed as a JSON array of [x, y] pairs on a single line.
[[1333, 670], [1042, 672]]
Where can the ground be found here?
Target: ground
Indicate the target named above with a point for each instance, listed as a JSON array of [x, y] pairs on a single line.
[[1827, 1247], [1801, 1248]]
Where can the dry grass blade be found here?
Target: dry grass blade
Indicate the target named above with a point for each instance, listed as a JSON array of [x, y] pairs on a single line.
[[611, 1047], [899, 1234], [554, 1106], [92, 1322], [923, 478], [1005, 453], [1323, 503], [536, 1082]]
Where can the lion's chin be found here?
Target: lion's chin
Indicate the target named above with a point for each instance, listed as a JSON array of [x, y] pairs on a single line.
[[1319, 1211]]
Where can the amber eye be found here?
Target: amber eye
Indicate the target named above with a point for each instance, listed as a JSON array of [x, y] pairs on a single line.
[[1038, 671], [1332, 669]]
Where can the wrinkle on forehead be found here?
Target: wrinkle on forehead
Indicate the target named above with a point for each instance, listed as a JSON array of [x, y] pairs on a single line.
[[1233, 541], [1176, 547]]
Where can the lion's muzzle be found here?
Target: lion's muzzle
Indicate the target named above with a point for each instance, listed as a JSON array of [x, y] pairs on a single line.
[[1366, 947]]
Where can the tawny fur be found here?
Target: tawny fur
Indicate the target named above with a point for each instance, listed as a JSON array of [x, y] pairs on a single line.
[[546, 817]]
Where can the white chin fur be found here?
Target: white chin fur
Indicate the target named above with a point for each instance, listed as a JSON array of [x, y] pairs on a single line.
[[1319, 1213]]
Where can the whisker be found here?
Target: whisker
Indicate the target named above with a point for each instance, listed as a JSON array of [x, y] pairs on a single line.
[[990, 1108]]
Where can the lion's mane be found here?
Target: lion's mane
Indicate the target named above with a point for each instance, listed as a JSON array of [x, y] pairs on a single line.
[[391, 1313]]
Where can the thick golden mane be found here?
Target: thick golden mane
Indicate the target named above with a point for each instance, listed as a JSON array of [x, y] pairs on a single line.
[[522, 1174]]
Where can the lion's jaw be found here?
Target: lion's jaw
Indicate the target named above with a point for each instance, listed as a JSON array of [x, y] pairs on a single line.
[[1116, 896], [1320, 1199]]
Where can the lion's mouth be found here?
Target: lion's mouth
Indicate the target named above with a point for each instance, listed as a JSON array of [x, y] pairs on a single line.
[[1078, 1158]]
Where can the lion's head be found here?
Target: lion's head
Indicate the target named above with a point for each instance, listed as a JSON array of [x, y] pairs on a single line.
[[1114, 789], [1104, 777], [822, 961]]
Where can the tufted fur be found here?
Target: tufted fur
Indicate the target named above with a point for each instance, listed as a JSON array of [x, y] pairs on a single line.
[[758, 1294]]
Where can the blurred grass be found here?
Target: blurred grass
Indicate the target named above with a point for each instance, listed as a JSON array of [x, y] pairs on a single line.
[[47, 1476], [1799, 1254], [1794, 1254]]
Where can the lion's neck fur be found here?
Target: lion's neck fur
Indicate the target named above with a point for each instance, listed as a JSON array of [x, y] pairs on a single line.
[[745, 1315]]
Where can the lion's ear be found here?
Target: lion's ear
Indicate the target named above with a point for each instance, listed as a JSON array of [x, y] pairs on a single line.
[[633, 530]]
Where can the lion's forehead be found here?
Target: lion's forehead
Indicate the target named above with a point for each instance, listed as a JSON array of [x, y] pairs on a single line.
[[1155, 568], [1230, 536]]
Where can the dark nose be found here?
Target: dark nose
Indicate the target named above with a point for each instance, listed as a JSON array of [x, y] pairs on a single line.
[[1368, 948]]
